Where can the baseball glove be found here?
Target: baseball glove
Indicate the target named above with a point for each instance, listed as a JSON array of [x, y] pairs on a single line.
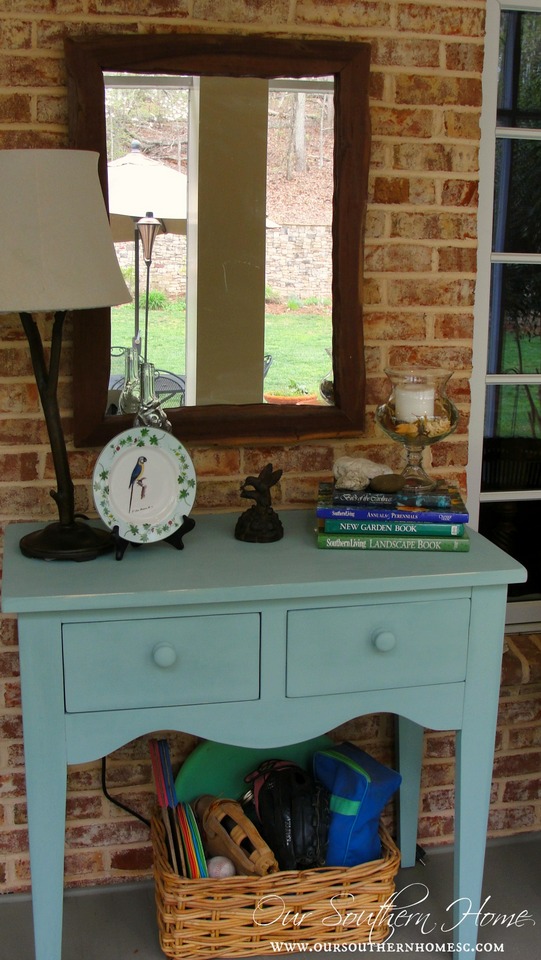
[[291, 811], [228, 832]]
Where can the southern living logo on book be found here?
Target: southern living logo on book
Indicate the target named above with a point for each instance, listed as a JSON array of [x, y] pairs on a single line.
[[371, 542]]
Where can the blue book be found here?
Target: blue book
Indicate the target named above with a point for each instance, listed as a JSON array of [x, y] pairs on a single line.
[[441, 497], [456, 512]]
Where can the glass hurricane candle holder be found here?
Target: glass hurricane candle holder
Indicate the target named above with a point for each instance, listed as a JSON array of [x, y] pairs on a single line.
[[418, 413]]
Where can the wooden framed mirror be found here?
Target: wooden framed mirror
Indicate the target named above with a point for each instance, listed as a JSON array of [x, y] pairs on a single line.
[[213, 55]]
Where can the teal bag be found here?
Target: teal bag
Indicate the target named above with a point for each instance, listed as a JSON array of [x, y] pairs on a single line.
[[360, 787]]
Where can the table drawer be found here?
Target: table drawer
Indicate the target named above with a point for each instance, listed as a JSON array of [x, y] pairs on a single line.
[[349, 649], [120, 665]]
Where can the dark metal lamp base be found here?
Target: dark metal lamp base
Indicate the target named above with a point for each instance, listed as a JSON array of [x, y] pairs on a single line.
[[74, 541]]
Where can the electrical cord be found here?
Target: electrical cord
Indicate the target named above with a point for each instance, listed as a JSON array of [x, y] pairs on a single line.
[[118, 803]]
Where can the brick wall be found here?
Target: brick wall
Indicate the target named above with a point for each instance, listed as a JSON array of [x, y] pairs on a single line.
[[420, 274]]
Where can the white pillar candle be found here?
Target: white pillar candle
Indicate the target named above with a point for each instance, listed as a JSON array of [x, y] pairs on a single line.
[[412, 402]]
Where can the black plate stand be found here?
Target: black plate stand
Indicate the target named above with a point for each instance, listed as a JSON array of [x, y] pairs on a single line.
[[175, 539]]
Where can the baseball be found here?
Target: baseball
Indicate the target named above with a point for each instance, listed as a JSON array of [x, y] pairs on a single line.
[[220, 867]]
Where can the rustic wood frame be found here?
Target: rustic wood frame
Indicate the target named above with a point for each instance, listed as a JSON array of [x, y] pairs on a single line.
[[236, 56]]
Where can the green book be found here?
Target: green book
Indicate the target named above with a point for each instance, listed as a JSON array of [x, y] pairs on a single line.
[[401, 528], [360, 541]]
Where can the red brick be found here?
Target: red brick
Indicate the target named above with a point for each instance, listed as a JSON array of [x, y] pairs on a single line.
[[27, 71], [458, 260], [521, 738], [337, 13], [12, 694], [15, 108], [9, 663], [104, 834], [218, 495], [216, 462], [84, 778], [82, 864], [519, 790], [402, 52], [398, 258], [520, 710], [435, 827], [460, 193], [437, 157], [440, 745], [11, 727], [512, 819], [450, 454], [18, 467], [514, 765], [132, 8], [16, 34], [453, 326], [8, 631], [464, 56], [461, 125], [460, 19], [401, 122], [390, 190], [51, 109], [394, 326], [313, 458], [31, 140], [437, 292], [437, 774], [424, 225], [80, 807], [127, 774], [438, 90], [139, 859], [13, 841], [435, 801]]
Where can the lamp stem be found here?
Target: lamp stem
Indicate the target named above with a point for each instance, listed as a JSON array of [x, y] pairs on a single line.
[[47, 383]]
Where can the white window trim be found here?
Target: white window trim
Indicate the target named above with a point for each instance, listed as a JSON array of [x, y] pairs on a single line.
[[521, 616]]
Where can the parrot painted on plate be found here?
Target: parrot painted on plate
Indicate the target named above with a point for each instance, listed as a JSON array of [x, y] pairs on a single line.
[[136, 475]]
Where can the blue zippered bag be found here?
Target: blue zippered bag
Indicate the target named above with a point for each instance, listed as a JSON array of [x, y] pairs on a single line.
[[360, 787]]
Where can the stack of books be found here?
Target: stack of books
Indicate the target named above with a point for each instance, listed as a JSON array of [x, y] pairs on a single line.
[[365, 520]]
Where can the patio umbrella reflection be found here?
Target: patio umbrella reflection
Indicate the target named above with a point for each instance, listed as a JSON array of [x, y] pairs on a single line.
[[138, 184]]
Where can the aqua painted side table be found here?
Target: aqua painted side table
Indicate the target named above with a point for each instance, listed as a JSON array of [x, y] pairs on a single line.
[[256, 645]]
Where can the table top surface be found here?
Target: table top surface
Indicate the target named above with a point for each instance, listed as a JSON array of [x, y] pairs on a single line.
[[214, 566]]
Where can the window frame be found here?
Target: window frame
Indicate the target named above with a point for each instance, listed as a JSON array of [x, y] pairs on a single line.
[[522, 616]]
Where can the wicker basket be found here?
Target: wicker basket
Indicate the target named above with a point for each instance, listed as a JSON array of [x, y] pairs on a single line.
[[243, 916]]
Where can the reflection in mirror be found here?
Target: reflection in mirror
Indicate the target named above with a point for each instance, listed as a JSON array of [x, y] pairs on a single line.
[[285, 131], [224, 370]]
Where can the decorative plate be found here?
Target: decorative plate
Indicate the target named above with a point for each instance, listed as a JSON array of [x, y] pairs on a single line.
[[144, 483]]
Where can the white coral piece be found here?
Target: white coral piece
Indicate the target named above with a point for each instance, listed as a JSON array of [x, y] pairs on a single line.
[[355, 473]]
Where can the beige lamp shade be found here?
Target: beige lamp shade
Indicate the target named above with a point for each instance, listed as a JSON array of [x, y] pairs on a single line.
[[57, 249]]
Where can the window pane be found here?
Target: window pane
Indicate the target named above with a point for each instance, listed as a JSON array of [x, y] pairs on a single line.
[[519, 86], [512, 527], [514, 411], [515, 319], [517, 202]]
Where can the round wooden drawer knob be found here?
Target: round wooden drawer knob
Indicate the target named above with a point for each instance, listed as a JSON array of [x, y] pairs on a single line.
[[384, 641], [164, 655]]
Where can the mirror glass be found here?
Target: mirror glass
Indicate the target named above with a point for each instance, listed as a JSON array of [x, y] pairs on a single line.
[[286, 135], [235, 323]]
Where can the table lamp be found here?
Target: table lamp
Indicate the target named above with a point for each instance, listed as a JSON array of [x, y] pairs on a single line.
[[57, 255]]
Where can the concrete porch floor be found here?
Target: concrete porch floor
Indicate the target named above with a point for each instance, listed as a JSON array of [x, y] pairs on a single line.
[[118, 923]]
